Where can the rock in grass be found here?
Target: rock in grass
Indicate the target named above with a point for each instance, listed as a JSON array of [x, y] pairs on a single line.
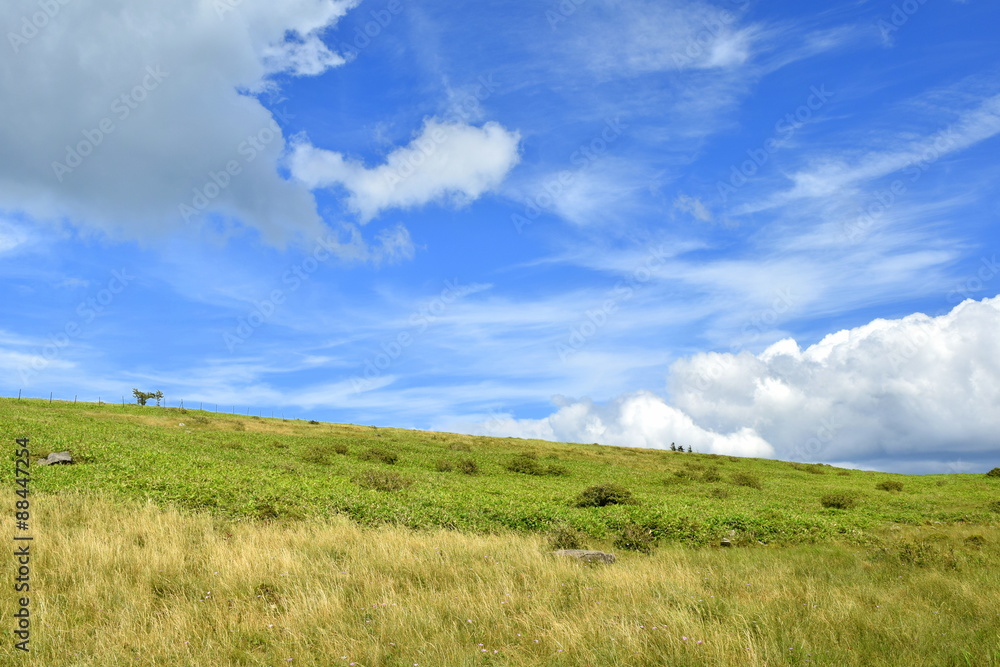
[[586, 555], [56, 458], [725, 542]]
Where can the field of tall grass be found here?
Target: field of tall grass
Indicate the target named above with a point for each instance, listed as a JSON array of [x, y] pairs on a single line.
[[237, 541]]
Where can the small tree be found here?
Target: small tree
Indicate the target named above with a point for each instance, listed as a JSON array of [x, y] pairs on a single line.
[[141, 397], [689, 449], [673, 447]]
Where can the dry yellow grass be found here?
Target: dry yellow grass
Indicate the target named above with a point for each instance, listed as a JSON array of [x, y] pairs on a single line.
[[137, 585]]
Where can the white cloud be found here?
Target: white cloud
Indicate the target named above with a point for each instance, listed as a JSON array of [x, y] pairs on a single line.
[[11, 236], [140, 103], [637, 420], [693, 206], [919, 388], [446, 161], [831, 175], [641, 37]]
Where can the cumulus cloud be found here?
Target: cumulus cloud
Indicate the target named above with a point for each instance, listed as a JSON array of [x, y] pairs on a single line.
[[451, 161], [917, 389], [117, 113], [637, 420]]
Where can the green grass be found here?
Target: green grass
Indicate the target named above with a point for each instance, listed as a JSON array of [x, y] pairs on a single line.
[[240, 467], [242, 541]]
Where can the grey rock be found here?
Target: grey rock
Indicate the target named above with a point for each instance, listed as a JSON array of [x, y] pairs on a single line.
[[586, 555], [725, 542], [56, 458]]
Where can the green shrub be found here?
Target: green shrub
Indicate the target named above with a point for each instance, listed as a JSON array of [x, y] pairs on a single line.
[[711, 475], [566, 537], [602, 495], [444, 465], [525, 464], [889, 485], [994, 473], [382, 480], [994, 506], [840, 501], [560, 471], [719, 492], [379, 454], [314, 422], [746, 479], [340, 448], [467, 467], [320, 454], [636, 538]]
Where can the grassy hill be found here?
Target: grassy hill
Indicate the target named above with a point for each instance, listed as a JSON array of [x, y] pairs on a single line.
[[311, 524]]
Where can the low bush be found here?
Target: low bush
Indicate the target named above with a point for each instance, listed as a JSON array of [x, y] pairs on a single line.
[[840, 501], [566, 537], [602, 495], [994, 473], [994, 506], [719, 492], [711, 475], [314, 422], [379, 454], [746, 479], [444, 465], [382, 480], [320, 454], [889, 485], [340, 448], [559, 471], [525, 464], [636, 538], [467, 467]]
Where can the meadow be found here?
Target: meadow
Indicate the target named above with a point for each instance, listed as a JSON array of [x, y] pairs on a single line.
[[185, 537]]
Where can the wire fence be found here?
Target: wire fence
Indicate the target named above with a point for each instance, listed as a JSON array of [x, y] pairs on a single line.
[[124, 402]]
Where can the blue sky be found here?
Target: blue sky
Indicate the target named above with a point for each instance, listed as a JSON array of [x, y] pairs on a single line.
[[743, 226]]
